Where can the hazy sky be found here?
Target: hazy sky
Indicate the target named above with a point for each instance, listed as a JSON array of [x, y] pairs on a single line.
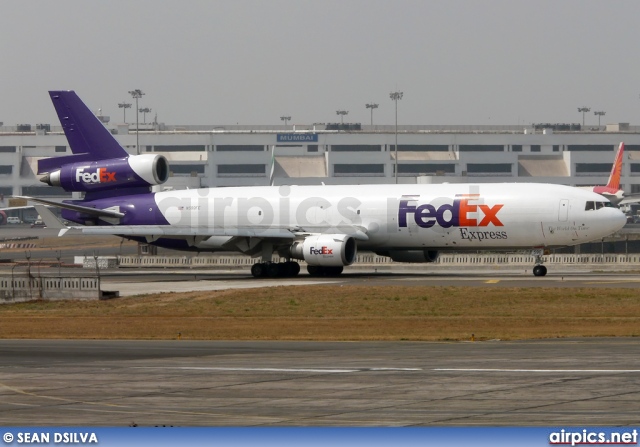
[[252, 61]]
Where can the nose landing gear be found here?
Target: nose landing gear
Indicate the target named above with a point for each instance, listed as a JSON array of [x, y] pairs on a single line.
[[539, 269]]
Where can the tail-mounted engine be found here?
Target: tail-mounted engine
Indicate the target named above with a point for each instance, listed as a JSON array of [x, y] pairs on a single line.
[[130, 172], [327, 250]]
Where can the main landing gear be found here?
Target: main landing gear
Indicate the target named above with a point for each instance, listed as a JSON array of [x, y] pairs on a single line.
[[317, 270], [539, 269], [290, 269], [287, 269]]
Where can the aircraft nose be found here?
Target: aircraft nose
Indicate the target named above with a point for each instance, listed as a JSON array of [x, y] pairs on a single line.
[[618, 220]]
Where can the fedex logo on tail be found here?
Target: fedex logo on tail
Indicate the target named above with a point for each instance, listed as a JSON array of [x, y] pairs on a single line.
[[458, 214], [100, 175]]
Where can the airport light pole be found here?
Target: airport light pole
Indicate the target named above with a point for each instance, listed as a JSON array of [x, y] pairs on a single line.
[[137, 94], [342, 113], [125, 106], [583, 110], [144, 112], [599, 114], [395, 97], [286, 119], [372, 106]]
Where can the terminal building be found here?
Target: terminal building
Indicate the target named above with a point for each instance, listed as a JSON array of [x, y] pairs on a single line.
[[220, 156]]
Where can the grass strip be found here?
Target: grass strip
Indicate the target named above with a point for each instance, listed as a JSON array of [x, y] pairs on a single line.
[[336, 313]]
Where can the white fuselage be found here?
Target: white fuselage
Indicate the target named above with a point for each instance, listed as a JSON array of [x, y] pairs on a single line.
[[379, 217]]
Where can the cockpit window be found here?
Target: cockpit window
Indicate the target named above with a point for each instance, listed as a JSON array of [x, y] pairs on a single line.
[[597, 205]]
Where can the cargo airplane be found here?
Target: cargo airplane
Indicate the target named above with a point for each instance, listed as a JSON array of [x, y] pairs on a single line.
[[323, 225]]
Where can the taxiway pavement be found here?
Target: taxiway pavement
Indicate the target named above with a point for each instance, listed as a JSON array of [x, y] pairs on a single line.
[[135, 282], [215, 383]]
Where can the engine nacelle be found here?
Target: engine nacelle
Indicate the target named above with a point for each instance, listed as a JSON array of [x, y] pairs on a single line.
[[130, 172], [417, 256], [327, 250]]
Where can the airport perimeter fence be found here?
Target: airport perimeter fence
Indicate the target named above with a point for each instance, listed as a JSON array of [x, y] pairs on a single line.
[[20, 287], [453, 260]]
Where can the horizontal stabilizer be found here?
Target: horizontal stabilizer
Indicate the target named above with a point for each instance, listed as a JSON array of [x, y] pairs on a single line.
[[81, 209]]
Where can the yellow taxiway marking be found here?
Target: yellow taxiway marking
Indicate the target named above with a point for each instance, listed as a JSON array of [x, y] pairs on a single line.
[[492, 281]]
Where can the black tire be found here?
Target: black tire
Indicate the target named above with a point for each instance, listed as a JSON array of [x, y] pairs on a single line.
[[258, 270], [275, 270], [291, 269], [333, 271], [539, 270], [314, 270]]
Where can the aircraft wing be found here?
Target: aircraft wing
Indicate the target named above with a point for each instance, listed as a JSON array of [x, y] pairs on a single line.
[[154, 232], [157, 231]]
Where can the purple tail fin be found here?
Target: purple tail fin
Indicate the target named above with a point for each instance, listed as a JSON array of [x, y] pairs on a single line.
[[88, 139]]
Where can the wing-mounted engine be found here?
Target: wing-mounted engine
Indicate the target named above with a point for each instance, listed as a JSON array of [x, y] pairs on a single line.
[[416, 256], [326, 250], [130, 172]]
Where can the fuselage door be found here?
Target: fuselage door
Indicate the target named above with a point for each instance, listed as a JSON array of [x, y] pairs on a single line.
[[563, 210]]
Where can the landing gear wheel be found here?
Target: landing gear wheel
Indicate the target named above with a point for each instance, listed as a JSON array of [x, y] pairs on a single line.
[[539, 270], [291, 269], [333, 271], [275, 270], [318, 270], [258, 270]]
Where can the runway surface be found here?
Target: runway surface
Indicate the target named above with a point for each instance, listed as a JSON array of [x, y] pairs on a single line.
[[183, 383]]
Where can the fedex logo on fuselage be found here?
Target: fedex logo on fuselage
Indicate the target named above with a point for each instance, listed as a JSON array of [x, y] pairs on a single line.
[[457, 214], [320, 251], [100, 175]]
